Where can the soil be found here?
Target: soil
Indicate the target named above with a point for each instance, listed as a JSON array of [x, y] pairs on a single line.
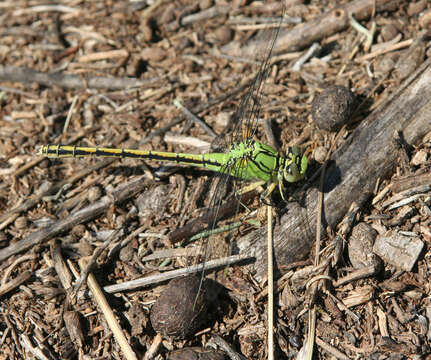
[[111, 74]]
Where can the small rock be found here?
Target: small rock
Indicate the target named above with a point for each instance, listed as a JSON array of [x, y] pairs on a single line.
[[399, 250], [88, 116], [361, 246], [196, 354], [94, 193], [154, 54], [84, 247], [420, 158], [78, 230], [385, 64], [127, 252], [388, 32], [21, 223], [223, 35], [320, 153], [153, 201], [181, 309], [333, 108], [120, 220], [222, 118]]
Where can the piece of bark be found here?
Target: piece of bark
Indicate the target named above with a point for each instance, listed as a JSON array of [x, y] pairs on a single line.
[[71, 81], [15, 283], [329, 23], [369, 154]]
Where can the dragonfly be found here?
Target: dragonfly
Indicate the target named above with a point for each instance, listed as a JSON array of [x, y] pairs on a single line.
[[246, 160], [243, 158]]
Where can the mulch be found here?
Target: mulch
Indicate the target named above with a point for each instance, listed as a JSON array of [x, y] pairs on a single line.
[[112, 74]]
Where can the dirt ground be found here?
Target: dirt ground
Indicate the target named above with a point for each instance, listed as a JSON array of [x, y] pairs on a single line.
[[129, 75]]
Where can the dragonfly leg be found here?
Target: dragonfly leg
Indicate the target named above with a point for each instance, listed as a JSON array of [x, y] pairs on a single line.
[[254, 186], [265, 194], [265, 197]]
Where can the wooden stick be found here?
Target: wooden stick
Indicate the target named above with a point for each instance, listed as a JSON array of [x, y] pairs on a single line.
[[112, 322], [270, 288]]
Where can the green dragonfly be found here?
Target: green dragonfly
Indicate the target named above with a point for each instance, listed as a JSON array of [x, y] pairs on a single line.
[[244, 159], [247, 160]]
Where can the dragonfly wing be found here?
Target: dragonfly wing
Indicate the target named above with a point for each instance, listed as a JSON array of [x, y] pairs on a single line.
[[248, 112]]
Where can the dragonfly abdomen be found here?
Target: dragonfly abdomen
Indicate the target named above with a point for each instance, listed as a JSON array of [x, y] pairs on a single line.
[[207, 161]]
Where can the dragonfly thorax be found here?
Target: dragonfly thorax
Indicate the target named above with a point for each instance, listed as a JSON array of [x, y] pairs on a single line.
[[253, 160]]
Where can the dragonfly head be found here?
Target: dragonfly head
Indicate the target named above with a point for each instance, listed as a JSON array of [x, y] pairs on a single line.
[[295, 167]]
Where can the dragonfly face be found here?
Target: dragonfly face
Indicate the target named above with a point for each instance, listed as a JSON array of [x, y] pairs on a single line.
[[295, 166]]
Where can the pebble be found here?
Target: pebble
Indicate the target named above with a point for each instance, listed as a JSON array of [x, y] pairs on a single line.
[[78, 230], [386, 63], [388, 32], [21, 223], [85, 248], [196, 354], [360, 246], [320, 153], [420, 158], [399, 250], [153, 201], [94, 193], [223, 35], [333, 108], [181, 308], [154, 54]]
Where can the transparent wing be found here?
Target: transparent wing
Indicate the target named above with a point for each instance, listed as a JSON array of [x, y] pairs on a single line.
[[243, 126], [249, 108]]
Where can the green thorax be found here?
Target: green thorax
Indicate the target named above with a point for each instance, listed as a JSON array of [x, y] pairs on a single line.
[[250, 160]]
